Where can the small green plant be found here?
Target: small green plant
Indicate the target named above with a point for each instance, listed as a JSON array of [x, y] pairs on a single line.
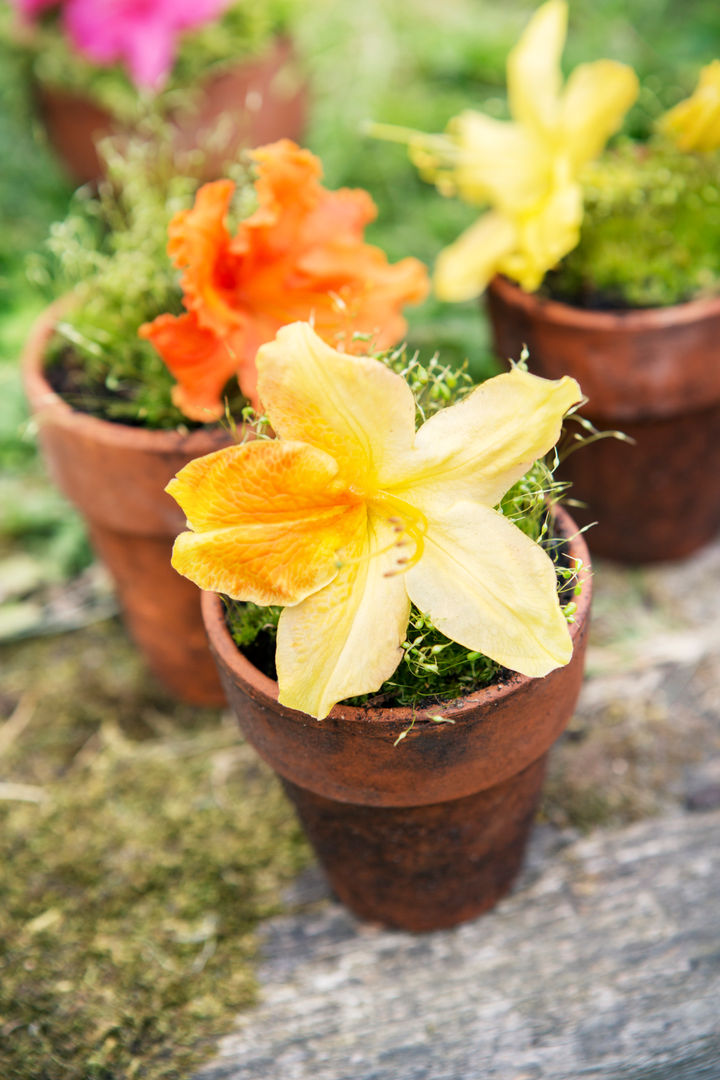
[[651, 230], [110, 253]]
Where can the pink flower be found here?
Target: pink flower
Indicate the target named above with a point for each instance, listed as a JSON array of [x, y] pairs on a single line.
[[140, 33]]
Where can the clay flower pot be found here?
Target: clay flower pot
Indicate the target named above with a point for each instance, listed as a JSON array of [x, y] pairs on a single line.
[[115, 476], [430, 832], [652, 374], [265, 98]]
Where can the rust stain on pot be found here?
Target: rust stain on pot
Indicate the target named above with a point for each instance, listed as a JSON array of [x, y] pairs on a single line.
[[115, 476], [652, 375], [423, 867]]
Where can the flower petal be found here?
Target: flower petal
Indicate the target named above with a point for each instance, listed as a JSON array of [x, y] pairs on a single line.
[[200, 242], [534, 78], [345, 639], [465, 267], [480, 447], [694, 124], [201, 361], [545, 236], [594, 102], [271, 521], [486, 585], [498, 161], [354, 408]]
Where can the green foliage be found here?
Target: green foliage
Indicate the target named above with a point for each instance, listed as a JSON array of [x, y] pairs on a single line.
[[244, 30], [651, 230], [110, 251], [140, 843]]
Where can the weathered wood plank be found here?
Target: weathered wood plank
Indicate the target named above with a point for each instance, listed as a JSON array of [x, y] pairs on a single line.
[[605, 963]]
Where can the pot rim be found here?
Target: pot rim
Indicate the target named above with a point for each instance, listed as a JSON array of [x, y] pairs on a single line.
[[399, 717], [44, 401], [639, 319]]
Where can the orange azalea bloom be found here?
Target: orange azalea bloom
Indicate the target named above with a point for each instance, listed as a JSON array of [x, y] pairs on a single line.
[[300, 256]]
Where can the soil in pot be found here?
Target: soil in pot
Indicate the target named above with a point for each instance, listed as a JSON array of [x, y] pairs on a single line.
[[418, 824], [651, 374], [256, 102], [115, 475]]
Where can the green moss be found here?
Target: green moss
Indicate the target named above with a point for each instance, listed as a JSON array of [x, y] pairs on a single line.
[[651, 230], [140, 843]]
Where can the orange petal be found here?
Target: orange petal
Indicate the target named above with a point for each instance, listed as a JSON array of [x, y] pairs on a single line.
[[200, 242], [270, 520], [200, 361]]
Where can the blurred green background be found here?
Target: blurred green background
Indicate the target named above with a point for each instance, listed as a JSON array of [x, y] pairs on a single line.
[[409, 62]]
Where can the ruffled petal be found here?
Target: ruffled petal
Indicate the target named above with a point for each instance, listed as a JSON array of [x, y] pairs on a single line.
[[354, 408], [534, 78], [486, 585], [595, 100], [480, 447], [200, 361], [200, 242], [464, 268], [270, 521], [345, 639]]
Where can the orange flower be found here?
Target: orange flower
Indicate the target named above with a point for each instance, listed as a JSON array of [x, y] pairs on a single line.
[[300, 256]]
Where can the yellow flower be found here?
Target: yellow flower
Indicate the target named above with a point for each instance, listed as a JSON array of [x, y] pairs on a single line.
[[527, 169], [350, 514], [694, 124]]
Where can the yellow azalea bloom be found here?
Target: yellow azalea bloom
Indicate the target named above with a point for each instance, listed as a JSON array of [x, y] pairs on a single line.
[[694, 124], [527, 169], [350, 514]]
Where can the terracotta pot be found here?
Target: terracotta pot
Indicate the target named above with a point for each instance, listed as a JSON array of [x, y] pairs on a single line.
[[432, 831], [115, 476], [266, 99], [652, 374]]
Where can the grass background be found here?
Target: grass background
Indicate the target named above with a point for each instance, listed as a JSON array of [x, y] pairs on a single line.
[[140, 843]]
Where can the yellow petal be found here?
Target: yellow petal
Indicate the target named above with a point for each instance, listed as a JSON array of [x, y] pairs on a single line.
[[595, 100], [545, 236], [533, 69], [480, 447], [498, 161], [486, 585], [345, 640], [270, 521], [354, 408], [464, 268], [694, 124]]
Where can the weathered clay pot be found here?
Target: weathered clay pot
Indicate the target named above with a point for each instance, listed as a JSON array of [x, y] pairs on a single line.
[[432, 831], [264, 99], [653, 374], [115, 475]]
